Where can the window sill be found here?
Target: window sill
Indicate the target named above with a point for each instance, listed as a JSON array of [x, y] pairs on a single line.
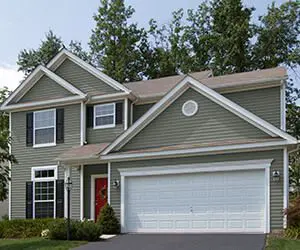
[[105, 126], [44, 145]]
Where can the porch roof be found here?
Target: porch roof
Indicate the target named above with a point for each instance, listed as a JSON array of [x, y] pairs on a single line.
[[80, 153]]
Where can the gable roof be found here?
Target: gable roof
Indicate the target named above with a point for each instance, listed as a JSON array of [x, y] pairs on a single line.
[[64, 53], [154, 90], [31, 80], [179, 89]]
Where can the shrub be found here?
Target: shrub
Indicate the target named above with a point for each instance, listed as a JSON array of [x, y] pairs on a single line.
[[293, 213], [292, 233], [5, 217], [24, 228], [108, 220], [86, 230]]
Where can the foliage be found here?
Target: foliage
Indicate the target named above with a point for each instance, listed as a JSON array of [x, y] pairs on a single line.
[[21, 228], [38, 243], [275, 243], [114, 42], [293, 213], [5, 217], [80, 230], [108, 221], [292, 233]]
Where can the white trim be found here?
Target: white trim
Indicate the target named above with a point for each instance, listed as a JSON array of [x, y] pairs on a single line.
[[168, 99], [131, 113], [108, 98], [54, 127], [81, 192], [126, 114], [112, 114], [108, 181], [203, 150], [39, 104], [44, 179], [68, 173], [187, 103], [61, 56], [9, 174], [82, 123], [285, 184], [92, 203], [282, 107], [199, 168]]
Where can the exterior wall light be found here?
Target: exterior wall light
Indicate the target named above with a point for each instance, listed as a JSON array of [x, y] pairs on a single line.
[[276, 176], [116, 184]]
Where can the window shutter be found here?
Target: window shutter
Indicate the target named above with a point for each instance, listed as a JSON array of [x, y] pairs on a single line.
[[119, 113], [29, 129], [60, 126], [29, 200], [60, 188], [89, 116]]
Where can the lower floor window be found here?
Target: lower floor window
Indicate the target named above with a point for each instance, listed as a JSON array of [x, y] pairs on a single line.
[[44, 179]]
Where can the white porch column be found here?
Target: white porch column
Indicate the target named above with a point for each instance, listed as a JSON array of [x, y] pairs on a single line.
[[81, 192], [68, 173]]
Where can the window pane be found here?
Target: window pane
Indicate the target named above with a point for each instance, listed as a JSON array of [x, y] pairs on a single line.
[[44, 136], [44, 119], [106, 109], [44, 191], [105, 120], [44, 209]]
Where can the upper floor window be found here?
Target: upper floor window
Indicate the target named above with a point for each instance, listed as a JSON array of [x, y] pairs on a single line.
[[44, 127], [105, 115]]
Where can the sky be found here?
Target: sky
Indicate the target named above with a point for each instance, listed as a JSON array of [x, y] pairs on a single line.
[[23, 24]]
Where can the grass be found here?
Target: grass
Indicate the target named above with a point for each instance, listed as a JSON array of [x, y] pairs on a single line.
[[38, 243], [275, 243]]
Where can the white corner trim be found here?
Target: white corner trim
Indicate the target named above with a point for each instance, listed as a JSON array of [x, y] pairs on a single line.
[[126, 114], [108, 181], [81, 192], [9, 174], [285, 183], [68, 173], [282, 107], [203, 150], [82, 123], [89, 68], [199, 168], [180, 88], [92, 192]]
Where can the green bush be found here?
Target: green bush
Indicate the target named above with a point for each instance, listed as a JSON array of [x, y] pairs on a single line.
[[24, 228], [108, 221], [86, 230], [292, 233]]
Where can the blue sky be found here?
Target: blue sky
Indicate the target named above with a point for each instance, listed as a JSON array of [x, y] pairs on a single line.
[[24, 23]]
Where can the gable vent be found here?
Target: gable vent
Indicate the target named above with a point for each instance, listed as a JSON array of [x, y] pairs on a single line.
[[190, 108]]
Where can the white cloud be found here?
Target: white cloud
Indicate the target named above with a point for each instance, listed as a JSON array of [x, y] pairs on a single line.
[[9, 76]]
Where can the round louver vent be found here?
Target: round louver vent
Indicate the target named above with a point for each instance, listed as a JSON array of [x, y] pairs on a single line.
[[189, 108]]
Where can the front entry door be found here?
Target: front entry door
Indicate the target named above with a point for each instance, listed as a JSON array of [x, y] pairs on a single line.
[[100, 195]]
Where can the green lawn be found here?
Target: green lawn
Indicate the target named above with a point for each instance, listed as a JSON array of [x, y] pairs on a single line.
[[282, 244], [38, 243]]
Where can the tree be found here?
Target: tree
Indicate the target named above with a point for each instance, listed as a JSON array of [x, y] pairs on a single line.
[[5, 156], [28, 60], [115, 43]]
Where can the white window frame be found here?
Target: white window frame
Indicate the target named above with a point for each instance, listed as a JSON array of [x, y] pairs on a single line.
[[44, 144], [44, 179], [114, 116]]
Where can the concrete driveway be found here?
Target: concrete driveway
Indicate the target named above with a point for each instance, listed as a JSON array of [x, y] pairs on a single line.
[[180, 242]]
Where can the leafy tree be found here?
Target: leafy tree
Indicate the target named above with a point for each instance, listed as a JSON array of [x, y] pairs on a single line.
[[5, 156], [28, 60], [115, 43], [76, 48]]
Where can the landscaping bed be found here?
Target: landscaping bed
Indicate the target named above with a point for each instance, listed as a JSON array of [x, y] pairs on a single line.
[[278, 243]]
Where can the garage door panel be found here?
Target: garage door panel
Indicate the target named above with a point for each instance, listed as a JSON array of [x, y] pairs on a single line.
[[200, 202]]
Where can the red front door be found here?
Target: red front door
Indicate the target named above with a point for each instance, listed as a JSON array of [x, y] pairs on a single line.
[[100, 195]]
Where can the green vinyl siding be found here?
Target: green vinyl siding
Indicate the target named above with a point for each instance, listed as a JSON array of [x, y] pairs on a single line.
[[276, 188], [83, 80], [45, 89], [139, 110], [264, 103], [90, 170], [211, 123], [29, 157]]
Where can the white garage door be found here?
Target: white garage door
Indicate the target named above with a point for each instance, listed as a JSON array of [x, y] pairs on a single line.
[[201, 202]]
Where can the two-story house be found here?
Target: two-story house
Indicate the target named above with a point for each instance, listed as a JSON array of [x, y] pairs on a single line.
[[188, 153]]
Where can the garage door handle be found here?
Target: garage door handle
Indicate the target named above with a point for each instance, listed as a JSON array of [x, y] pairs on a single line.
[[191, 209]]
